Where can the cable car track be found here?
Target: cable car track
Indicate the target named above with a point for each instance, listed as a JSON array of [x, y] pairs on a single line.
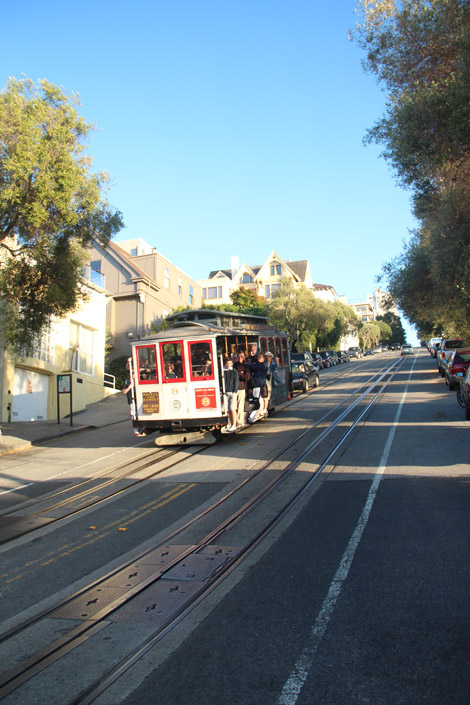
[[22, 523], [102, 618]]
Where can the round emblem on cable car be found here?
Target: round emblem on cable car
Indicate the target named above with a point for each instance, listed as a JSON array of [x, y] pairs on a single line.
[[176, 405]]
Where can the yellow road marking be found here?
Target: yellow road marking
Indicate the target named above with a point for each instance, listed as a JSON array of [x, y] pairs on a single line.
[[68, 549]]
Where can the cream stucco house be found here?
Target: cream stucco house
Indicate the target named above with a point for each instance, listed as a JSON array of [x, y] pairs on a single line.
[[73, 346]]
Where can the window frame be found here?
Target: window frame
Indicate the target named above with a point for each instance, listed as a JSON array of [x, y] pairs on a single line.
[[202, 378], [172, 380], [146, 381]]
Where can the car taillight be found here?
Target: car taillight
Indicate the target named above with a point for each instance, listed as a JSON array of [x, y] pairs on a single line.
[[443, 354]]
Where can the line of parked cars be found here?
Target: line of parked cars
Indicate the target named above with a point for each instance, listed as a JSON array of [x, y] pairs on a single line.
[[453, 363], [305, 366]]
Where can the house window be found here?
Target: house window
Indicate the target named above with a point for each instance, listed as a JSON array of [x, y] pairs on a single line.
[[267, 291], [247, 279], [191, 295], [274, 288], [204, 293], [275, 269], [42, 348], [180, 286], [81, 348], [166, 278], [134, 252]]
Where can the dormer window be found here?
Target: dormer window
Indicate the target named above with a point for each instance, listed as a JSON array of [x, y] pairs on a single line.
[[275, 269], [247, 279]]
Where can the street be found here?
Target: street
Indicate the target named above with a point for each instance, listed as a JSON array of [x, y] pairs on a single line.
[[358, 594]]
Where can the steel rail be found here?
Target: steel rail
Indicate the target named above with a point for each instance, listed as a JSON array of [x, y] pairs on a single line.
[[17, 676]]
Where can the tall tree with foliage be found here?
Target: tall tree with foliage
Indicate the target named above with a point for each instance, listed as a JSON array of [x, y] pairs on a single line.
[[51, 206], [420, 51], [397, 332]]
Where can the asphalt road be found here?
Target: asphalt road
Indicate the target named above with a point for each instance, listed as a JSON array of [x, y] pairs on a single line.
[[329, 615], [359, 596]]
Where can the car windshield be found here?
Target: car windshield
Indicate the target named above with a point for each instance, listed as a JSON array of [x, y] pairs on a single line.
[[462, 357], [459, 343], [298, 367]]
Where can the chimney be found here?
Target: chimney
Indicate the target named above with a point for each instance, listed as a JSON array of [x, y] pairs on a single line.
[[234, 265]]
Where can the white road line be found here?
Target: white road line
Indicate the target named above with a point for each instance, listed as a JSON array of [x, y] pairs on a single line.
[[296, 680]]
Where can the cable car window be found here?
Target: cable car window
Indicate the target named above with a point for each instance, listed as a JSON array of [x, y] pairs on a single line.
[[271, 345], [263, 345], [202, 366], [172, 362], [285, 356], [146, 364], [278, 347]]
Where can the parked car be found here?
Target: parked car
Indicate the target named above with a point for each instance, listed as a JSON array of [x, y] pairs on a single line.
[[448, 346], [355, 351], [463, 394], [301, 356], [377, 349], [406, 349], [326, 362], [456, 368], [304, 375], [333, 357], [343, 356], [368, 351], [317, 360], [432, 342], [433, 349]]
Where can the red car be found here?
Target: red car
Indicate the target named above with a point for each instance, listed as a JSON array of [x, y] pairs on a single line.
[[457, 366]]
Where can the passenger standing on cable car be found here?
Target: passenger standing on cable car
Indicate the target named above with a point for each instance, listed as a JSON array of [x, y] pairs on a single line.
[[244, 376], [231, 389], [253, 356], [259, 370]]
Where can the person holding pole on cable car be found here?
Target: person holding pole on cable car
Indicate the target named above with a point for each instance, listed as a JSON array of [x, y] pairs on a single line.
[[231, 389]]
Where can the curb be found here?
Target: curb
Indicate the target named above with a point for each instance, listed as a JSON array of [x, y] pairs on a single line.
[[44, 440]]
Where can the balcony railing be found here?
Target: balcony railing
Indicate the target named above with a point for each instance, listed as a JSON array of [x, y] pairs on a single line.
[[94, 277]]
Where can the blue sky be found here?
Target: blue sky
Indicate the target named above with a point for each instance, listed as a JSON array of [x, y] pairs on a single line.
[[229, 127]]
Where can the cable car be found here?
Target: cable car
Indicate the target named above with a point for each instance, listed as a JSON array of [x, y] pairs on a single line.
[[178, 381]]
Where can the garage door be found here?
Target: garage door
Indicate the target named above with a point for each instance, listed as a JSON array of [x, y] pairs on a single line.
[[30, 394]]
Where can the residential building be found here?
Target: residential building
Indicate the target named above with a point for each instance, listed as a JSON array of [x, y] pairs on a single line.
[[325, 292], [364, 311], [71, 349], [144, 286], [264, 279]]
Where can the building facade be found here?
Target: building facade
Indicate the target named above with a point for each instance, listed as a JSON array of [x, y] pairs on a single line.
[[144, 286], [71, 349], [264, 279]]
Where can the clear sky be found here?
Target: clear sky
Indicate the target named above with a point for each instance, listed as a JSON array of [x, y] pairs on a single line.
[[229, 127]]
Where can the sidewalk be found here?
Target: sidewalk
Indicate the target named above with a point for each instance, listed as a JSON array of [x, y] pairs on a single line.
[[20, 436]]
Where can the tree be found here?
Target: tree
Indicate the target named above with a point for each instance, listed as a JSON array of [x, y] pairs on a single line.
[[51, 207], [369, 334], [385, 331], [248, 301], [398, 334], [420, 51]]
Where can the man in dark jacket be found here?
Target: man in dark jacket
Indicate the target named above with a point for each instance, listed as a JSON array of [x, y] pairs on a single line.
[[244, 375], [231, 389], [259, 370]]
